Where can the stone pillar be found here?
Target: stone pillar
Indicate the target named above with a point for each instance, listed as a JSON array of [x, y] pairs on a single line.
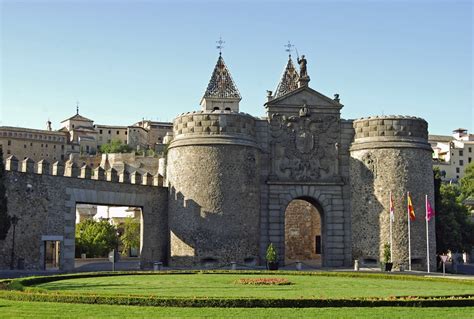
[[42, 167], [11, 163], [58, 169], [391, 154], [99, 174], [28, 165], [111, 175]]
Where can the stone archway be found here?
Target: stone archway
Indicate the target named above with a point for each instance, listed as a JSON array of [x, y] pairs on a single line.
[[303, 232]]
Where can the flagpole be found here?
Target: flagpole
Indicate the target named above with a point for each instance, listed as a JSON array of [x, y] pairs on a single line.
[[409, 240], [427, 237], [391, 237]]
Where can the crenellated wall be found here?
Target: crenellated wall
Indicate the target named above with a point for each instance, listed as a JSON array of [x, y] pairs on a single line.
[[70, 169], [44, 197]]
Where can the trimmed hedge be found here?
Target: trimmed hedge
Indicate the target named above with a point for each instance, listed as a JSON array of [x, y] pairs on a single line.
[[21, 290], [455, 301]]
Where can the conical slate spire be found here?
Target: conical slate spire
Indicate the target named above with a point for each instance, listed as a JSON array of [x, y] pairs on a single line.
[[221, 90], [289, 80], [221, 84]]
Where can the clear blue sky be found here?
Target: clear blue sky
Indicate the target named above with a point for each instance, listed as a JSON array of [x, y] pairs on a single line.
[[124, 60]]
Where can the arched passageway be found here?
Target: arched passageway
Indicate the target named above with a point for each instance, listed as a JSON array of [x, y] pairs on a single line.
[[303, 233]]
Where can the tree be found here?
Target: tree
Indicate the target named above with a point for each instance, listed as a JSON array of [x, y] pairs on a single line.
[[5, 221], [467, 183], [453, 227], [95, 238], [115, 146], [131, 234]]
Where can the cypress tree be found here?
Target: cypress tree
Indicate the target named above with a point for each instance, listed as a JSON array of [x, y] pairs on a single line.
[[5, 221]]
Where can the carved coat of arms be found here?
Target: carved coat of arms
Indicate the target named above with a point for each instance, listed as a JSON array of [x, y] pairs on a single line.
[[304, 146]]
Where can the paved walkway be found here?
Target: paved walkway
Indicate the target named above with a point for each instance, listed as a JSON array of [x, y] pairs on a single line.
[[103, 265]]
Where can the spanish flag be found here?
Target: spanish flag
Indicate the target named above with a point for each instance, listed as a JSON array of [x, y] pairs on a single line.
[[411, 211]]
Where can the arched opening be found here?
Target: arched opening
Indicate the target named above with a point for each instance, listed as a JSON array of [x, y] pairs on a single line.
[[303, 233], [99, 229]]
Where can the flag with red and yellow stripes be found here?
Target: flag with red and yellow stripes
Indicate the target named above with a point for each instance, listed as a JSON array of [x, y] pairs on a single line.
[[411, 210]]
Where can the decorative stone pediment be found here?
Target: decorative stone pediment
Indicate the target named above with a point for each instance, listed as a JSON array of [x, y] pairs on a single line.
[[304, 95]]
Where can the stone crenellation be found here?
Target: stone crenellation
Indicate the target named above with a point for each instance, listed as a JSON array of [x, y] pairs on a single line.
[[213, 123], [391, 126], [70, 169]]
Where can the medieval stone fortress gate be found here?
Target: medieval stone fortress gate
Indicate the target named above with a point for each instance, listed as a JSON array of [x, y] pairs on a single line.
[[313, 184]]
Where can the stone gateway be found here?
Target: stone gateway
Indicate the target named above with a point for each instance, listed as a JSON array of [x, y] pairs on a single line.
[[313, 184]]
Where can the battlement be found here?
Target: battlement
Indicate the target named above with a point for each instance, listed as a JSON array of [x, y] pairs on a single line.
[[214, 127], [71, 170], [391, 130]]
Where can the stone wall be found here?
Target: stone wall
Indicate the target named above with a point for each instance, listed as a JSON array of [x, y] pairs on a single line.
[[398, 161], [46, 205]]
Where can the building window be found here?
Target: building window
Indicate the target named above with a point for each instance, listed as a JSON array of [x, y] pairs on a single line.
[[41, 145], [24, 146], [461, 153], [317, 245], [9, 142], [118, 132], [8, 152], [31, 144], [125, 132], [110, 131], [461, 162], [46, 145], [470, 149], [100, 131], [73, 126], [469, 159], [54, 146], [457, 169], [62, 147]]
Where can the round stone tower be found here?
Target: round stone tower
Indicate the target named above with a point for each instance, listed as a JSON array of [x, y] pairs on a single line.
[[213, 182], [214, 189], [391, 155]]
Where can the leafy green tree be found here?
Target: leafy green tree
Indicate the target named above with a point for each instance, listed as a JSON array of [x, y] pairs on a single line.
[[115, 146], [467, 183], [95, 238], [130, 237], [5, 221], [453, 227]]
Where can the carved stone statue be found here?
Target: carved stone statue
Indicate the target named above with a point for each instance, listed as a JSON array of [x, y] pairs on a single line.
[[302, 62]]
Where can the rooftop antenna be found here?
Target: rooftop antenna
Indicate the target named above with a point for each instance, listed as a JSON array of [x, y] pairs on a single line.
[[220, 45], [77, 107], [289, 48]]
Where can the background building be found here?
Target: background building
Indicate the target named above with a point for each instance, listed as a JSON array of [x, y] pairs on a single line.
[[451, 154]]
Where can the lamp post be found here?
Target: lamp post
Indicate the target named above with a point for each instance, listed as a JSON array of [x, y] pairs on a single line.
[[14, 220]]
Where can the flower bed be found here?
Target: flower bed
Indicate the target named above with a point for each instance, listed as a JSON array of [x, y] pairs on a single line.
[[263, 281]]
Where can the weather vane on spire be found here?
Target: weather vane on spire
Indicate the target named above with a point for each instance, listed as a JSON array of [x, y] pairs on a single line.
[[289, 47], [220, 45], [77, 107]]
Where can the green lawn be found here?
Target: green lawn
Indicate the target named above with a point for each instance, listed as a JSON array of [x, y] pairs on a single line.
[[223, 285], [16, 309]]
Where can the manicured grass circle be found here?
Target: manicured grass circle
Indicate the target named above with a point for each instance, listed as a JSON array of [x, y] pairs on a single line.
[[210, 289]]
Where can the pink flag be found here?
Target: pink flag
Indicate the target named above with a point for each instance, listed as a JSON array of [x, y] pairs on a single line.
[[429, 211]]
